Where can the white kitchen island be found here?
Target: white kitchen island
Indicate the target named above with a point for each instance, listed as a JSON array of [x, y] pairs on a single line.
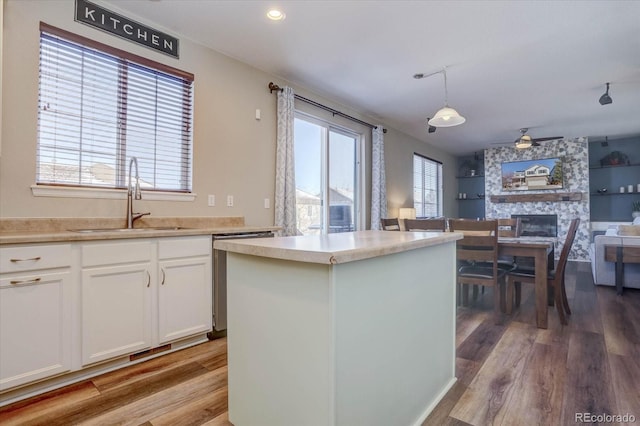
[[350, 329]]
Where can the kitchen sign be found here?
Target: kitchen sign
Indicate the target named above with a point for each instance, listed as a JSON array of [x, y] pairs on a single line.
[[105, 20]]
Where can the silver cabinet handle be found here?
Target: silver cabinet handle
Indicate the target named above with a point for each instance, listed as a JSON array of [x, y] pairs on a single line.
[[33, 259], [148, 279], [163, 276], [33, 281]]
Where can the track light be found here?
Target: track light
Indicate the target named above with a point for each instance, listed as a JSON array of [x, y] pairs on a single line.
[[606, 99]]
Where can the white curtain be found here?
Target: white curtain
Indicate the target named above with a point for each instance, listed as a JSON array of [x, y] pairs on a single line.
[[378, 181], [285, 198]]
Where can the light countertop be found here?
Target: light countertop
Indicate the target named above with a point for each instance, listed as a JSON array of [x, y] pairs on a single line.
[[44, 230], [337, 248]]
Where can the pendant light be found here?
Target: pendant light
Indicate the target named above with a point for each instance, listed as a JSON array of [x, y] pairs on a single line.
[[447, 116]]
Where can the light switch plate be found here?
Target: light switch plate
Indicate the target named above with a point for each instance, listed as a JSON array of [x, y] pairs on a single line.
[[211, 200], [229, 200], [267, 203]]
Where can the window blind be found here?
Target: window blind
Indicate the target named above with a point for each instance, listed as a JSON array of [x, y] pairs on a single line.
[[98, 109], [427, 186]]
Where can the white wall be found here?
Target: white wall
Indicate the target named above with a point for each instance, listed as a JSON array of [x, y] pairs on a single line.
[[234, 154]]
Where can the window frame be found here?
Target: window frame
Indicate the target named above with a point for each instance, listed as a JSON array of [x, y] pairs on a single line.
[[438, 185], [53, 189]]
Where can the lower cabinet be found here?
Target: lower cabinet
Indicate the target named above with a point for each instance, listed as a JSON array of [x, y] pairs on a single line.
[[184, 298], [137, 295], [36, 286], [116, 311], [35, 327]]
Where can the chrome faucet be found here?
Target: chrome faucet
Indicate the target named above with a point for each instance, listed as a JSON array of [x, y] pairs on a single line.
[[131, 216]]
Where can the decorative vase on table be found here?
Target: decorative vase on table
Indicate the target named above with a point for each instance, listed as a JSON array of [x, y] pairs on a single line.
[[635, 214]]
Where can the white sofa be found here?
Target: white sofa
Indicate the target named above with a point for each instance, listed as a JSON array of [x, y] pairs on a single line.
[[604, 272]]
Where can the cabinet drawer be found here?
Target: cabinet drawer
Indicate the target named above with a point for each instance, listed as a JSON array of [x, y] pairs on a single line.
[[34, 257], [96, 254], [171, 248]]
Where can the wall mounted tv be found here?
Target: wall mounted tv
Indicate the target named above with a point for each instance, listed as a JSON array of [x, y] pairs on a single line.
[[530, 175]]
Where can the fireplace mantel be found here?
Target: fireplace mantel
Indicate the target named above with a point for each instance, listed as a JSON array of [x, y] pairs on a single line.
[[532, 198]]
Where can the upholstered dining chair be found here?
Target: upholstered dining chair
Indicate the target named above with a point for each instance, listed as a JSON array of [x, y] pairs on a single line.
[[392, 224], [479, 248], [555, 278], [425, 224]]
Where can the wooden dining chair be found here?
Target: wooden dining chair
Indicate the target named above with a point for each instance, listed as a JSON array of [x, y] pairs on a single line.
[[392, 224], [555, 278], [425, 224], [479, 248], [510, 227]]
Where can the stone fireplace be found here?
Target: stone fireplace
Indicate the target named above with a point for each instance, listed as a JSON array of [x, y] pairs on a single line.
[[575, 164], [538, 225]]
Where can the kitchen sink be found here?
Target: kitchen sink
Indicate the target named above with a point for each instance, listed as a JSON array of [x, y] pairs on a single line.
[[157, 228]]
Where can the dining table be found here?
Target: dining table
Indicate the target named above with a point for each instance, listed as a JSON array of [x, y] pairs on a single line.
[[538, 248]]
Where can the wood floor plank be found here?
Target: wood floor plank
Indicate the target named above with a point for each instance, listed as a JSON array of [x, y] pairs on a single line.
[[621, 329], [118, 397], [46, 405], [538, 392], [485, 398], [625, 372], [466, 370], [467, 320], [142, 371], [221, 420], [588, 387], [196, 412], [169, 399], [440, 413], [481, 341]]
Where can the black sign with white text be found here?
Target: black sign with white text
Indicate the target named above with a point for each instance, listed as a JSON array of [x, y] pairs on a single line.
[[101, 18]]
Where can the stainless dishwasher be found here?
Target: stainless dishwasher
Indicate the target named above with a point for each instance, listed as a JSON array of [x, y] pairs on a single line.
[[220, 281]]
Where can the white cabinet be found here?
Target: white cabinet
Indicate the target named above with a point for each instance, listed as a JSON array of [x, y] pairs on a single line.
[[139, 294], [35, 313], [184, 296], [116, 298]]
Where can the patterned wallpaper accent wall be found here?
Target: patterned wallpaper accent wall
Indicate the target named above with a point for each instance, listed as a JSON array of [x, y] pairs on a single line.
[[575, 156]]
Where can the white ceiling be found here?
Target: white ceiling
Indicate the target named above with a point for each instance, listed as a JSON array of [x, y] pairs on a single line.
[[512, 64]]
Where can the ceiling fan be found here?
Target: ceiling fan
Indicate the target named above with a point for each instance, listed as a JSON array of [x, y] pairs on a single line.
[[526, 141]]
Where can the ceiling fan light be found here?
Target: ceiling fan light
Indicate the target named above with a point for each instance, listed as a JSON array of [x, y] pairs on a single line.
[[446, 117], [524, 142]]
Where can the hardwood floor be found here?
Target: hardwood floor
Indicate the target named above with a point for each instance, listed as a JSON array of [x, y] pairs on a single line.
[[508, 374]]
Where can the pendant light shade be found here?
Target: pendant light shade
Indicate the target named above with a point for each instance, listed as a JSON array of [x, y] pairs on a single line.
[[447, 117]]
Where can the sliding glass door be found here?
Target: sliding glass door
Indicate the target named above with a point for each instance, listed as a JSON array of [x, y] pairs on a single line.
[[328, 181]]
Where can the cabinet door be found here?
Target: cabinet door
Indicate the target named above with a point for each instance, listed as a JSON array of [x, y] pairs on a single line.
[[35, 327], [116, 311], [184, 298]]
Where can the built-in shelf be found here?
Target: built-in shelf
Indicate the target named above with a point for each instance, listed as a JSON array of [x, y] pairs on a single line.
[[469, 176], [595, 166], [597, 194], [532, 198]]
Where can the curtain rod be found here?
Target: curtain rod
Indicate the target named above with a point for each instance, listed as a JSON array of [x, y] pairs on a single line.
[[273, 86]]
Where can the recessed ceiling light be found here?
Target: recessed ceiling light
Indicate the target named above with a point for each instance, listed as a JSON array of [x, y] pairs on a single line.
[[275, 15]]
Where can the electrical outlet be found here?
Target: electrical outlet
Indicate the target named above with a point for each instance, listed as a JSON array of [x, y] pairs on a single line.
[[267, 203], [212, 200], [229, 200]]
